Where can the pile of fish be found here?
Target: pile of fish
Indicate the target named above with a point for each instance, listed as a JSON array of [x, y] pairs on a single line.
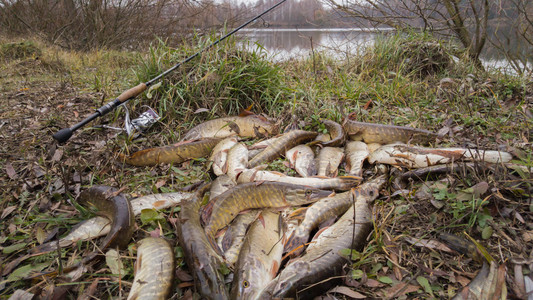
[[280, 235]]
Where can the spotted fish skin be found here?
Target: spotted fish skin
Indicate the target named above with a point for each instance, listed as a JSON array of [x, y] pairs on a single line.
[[386, 134], [260, 256], [248, 126], [280, 145], [330, 207], [322, 259], [154, 270], [202, 259], [171, 154], [252, 195]]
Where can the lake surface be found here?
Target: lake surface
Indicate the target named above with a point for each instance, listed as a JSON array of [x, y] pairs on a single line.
[[282, 44]]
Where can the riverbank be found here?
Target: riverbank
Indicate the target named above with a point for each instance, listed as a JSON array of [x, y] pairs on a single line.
[[411, 81]]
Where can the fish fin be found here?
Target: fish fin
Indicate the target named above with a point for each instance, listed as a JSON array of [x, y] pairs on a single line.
[[319, 232], [275, 268], [350, 177], [224, 167], [214, 245], [227, 239], [261, 219], [221, 232], [278, 173], [205, 215], [298, 213], [247, 111]]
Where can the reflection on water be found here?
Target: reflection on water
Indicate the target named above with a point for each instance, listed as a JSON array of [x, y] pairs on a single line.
[[282, 44]]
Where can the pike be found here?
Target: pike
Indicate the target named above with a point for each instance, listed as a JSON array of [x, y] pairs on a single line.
[[260, 257], [64, 134], [154, 270], [305, 276], [386, 134], [252, 195], [330, 207], [280, 145]]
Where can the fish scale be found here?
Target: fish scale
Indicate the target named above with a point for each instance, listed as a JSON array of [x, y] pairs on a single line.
[[252, 195]]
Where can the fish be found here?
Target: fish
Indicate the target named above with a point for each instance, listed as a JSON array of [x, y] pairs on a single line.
[[252, 195], [220, 185], [237, 160], [110, 203], [341, 183], [177, 153], [154, 270], [260, 257], [219, 155], [280, 145], [328, 160], [356, 153], [302, 159], [335, 132], [248, 126], [330, 207], [386, 134], [99, 226], [233, 239], [115, 207], [305, 277], [201, 258], [419, 157], [258, 147]]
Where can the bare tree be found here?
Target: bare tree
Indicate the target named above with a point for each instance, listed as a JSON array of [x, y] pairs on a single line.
[[465, 20]]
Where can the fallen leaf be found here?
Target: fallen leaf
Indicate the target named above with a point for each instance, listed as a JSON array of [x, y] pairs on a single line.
[[527, 236], [346, 291], [40, 235], [373, 283], [112, 259], [7, 211], [11, 173], [26, 271], [400, 289], [57, 155], [183, 276], [160, 183], [430, 244], [201, 110], [21, 295]]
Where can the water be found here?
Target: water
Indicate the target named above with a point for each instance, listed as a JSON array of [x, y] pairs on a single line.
[[283, 44]]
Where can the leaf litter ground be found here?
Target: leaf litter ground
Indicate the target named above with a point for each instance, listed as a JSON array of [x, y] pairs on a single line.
[[404, 257]]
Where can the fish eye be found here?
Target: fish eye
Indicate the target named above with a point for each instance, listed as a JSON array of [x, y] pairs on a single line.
[[308, 192], [371, 193], [245, 284]]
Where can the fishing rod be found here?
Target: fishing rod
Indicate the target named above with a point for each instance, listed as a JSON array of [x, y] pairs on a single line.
[[64, 134]]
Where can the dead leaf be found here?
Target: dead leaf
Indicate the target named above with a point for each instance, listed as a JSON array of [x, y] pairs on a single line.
[[431, 244], [7, 211], [57, 155], [373, 283], [160, 183], [112, 259], [11, 173], [346, 291], [21, 295], [480, 188], [527, 236], [400, 289], [40, 235], [201, 110], [183, 276]]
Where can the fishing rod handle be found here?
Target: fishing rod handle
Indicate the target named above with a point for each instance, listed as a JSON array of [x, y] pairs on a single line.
[[133, 92]]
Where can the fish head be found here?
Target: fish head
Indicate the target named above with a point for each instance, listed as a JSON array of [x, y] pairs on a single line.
[[303, 195], [251, 278]]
